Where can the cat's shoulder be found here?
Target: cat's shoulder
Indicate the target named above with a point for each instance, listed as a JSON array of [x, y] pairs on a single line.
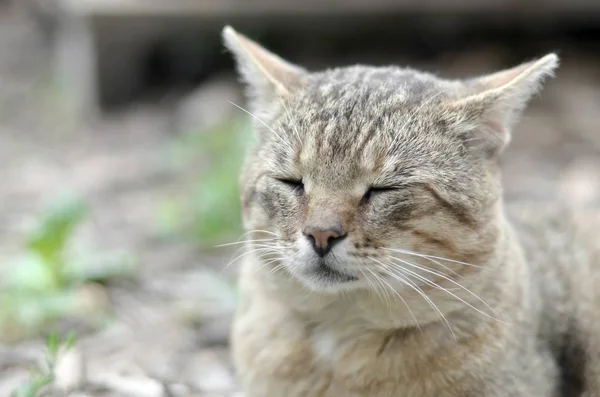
[[552, 215], [557, 232]]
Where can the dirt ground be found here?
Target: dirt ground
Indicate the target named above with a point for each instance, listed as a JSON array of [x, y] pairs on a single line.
[[172, 320]]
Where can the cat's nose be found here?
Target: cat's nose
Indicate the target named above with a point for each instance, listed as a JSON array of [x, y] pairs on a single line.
[[323, 240]]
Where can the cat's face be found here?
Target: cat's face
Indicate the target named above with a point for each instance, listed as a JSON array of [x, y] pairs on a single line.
[[373, 175]]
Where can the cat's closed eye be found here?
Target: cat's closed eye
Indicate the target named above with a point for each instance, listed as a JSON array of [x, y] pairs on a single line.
[[372, 191], [295, 184]]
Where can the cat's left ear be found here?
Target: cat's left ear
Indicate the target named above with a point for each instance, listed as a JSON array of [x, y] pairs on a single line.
[[267, 75], [495, 102]]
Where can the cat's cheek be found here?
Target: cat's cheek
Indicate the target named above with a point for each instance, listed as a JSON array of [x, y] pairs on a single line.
[[268, 203], [391, 224], [387, 215], [282, 210]]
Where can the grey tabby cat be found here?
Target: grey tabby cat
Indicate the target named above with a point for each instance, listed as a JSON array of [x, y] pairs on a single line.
[[382, 260]]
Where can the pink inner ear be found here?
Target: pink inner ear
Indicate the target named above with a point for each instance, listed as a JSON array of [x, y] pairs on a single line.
[[274, 68], [500, 79], [258, 53]]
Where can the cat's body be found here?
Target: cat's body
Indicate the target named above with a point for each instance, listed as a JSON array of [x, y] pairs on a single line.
[[282, 349], [382, 262]]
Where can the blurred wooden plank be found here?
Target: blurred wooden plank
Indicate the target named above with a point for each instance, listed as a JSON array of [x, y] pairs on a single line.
[[227, 8], [232, 8]]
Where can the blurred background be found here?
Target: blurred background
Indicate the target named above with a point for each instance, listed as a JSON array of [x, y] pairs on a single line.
[[120, 149]]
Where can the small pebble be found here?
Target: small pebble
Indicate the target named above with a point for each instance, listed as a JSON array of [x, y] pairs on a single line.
[[69, 371]]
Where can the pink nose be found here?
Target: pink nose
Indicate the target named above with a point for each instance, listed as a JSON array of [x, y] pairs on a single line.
[[323, 240]]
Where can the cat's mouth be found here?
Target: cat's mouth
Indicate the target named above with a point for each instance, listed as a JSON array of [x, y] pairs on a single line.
[[324, 275], [327, 273]]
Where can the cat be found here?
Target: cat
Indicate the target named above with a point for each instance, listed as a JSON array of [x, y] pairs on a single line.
[[381, 259]]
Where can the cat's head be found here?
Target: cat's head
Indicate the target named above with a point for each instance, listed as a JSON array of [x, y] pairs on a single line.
[[362, 174]]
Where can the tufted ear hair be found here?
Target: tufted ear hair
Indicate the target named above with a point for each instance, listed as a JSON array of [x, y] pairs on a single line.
[[495, 102]]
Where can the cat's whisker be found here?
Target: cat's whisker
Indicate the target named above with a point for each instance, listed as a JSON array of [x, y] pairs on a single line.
[[269, 261], [419, 291], [409, 273], [287, 275], [261, 250], [434, 261], [368, 280], [372, 286], [429, 301], [276, 246], [384, 296], [426, 256], [412, 314], [258, 231], [276, 268], [242, 241], [247, 241], [424, 279], [292, 121], [255, 117], [236, 252], [241, 248], [397, 294], [261, 231]]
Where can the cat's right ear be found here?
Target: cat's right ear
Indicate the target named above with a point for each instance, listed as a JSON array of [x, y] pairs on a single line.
[[268, 76], [496, 101]]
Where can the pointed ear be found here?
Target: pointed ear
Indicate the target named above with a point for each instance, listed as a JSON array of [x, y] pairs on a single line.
[[496, 101], [268, 76]]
